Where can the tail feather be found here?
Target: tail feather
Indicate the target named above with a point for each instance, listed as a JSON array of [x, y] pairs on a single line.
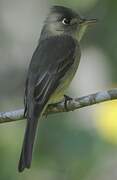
[[26, 154], [30, 133]]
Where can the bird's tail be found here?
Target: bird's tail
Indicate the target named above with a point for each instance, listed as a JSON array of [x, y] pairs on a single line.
[[27, 148]]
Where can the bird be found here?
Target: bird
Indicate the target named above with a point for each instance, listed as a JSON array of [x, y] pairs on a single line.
[[51, 70]]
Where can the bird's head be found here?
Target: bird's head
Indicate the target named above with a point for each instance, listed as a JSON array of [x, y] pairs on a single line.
[[63, 20]]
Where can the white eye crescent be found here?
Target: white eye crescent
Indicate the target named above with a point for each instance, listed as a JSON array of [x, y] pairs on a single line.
[[66, 21]]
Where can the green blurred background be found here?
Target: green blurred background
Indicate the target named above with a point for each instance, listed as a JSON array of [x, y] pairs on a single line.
[[80, 145]]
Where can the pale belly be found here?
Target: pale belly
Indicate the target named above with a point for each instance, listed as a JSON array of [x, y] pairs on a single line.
[[65, 82]]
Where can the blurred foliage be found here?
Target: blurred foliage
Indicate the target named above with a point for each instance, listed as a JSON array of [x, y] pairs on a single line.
[[107, 121], [62, 151]]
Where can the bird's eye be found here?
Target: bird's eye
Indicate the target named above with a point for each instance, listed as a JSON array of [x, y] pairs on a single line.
[[66, 21]]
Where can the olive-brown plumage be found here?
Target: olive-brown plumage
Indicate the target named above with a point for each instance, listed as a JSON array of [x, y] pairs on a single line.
[[52, 67]]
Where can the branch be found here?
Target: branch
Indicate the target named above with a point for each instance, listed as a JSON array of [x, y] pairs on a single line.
[[72, 105]]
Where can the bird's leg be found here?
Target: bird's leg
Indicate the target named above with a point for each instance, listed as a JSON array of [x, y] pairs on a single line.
[[46, 114], [67, 98]]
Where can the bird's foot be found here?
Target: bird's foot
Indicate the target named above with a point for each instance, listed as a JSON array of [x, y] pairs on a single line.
[[67, 98]]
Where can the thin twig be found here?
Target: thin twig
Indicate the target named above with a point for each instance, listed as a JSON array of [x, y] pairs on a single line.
[[72, 105]]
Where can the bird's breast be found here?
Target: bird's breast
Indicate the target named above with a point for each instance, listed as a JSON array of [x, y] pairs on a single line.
[[58, 95]]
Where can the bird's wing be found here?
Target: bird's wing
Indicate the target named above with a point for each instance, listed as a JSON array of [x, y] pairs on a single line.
[[51, 60], [56, 54]]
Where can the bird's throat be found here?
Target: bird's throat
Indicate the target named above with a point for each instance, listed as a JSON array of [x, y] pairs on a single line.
[[81, 32]]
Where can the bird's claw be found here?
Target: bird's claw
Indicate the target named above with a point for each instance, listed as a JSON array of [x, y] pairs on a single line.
[[67, 98]]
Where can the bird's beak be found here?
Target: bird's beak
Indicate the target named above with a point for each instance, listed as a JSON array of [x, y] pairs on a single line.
[[84, 23], [88, 21]]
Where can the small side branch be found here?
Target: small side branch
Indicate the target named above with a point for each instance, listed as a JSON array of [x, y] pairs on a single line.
[[72, 105]]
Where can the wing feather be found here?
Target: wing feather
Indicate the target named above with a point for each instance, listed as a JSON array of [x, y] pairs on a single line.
[[55, 71]]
